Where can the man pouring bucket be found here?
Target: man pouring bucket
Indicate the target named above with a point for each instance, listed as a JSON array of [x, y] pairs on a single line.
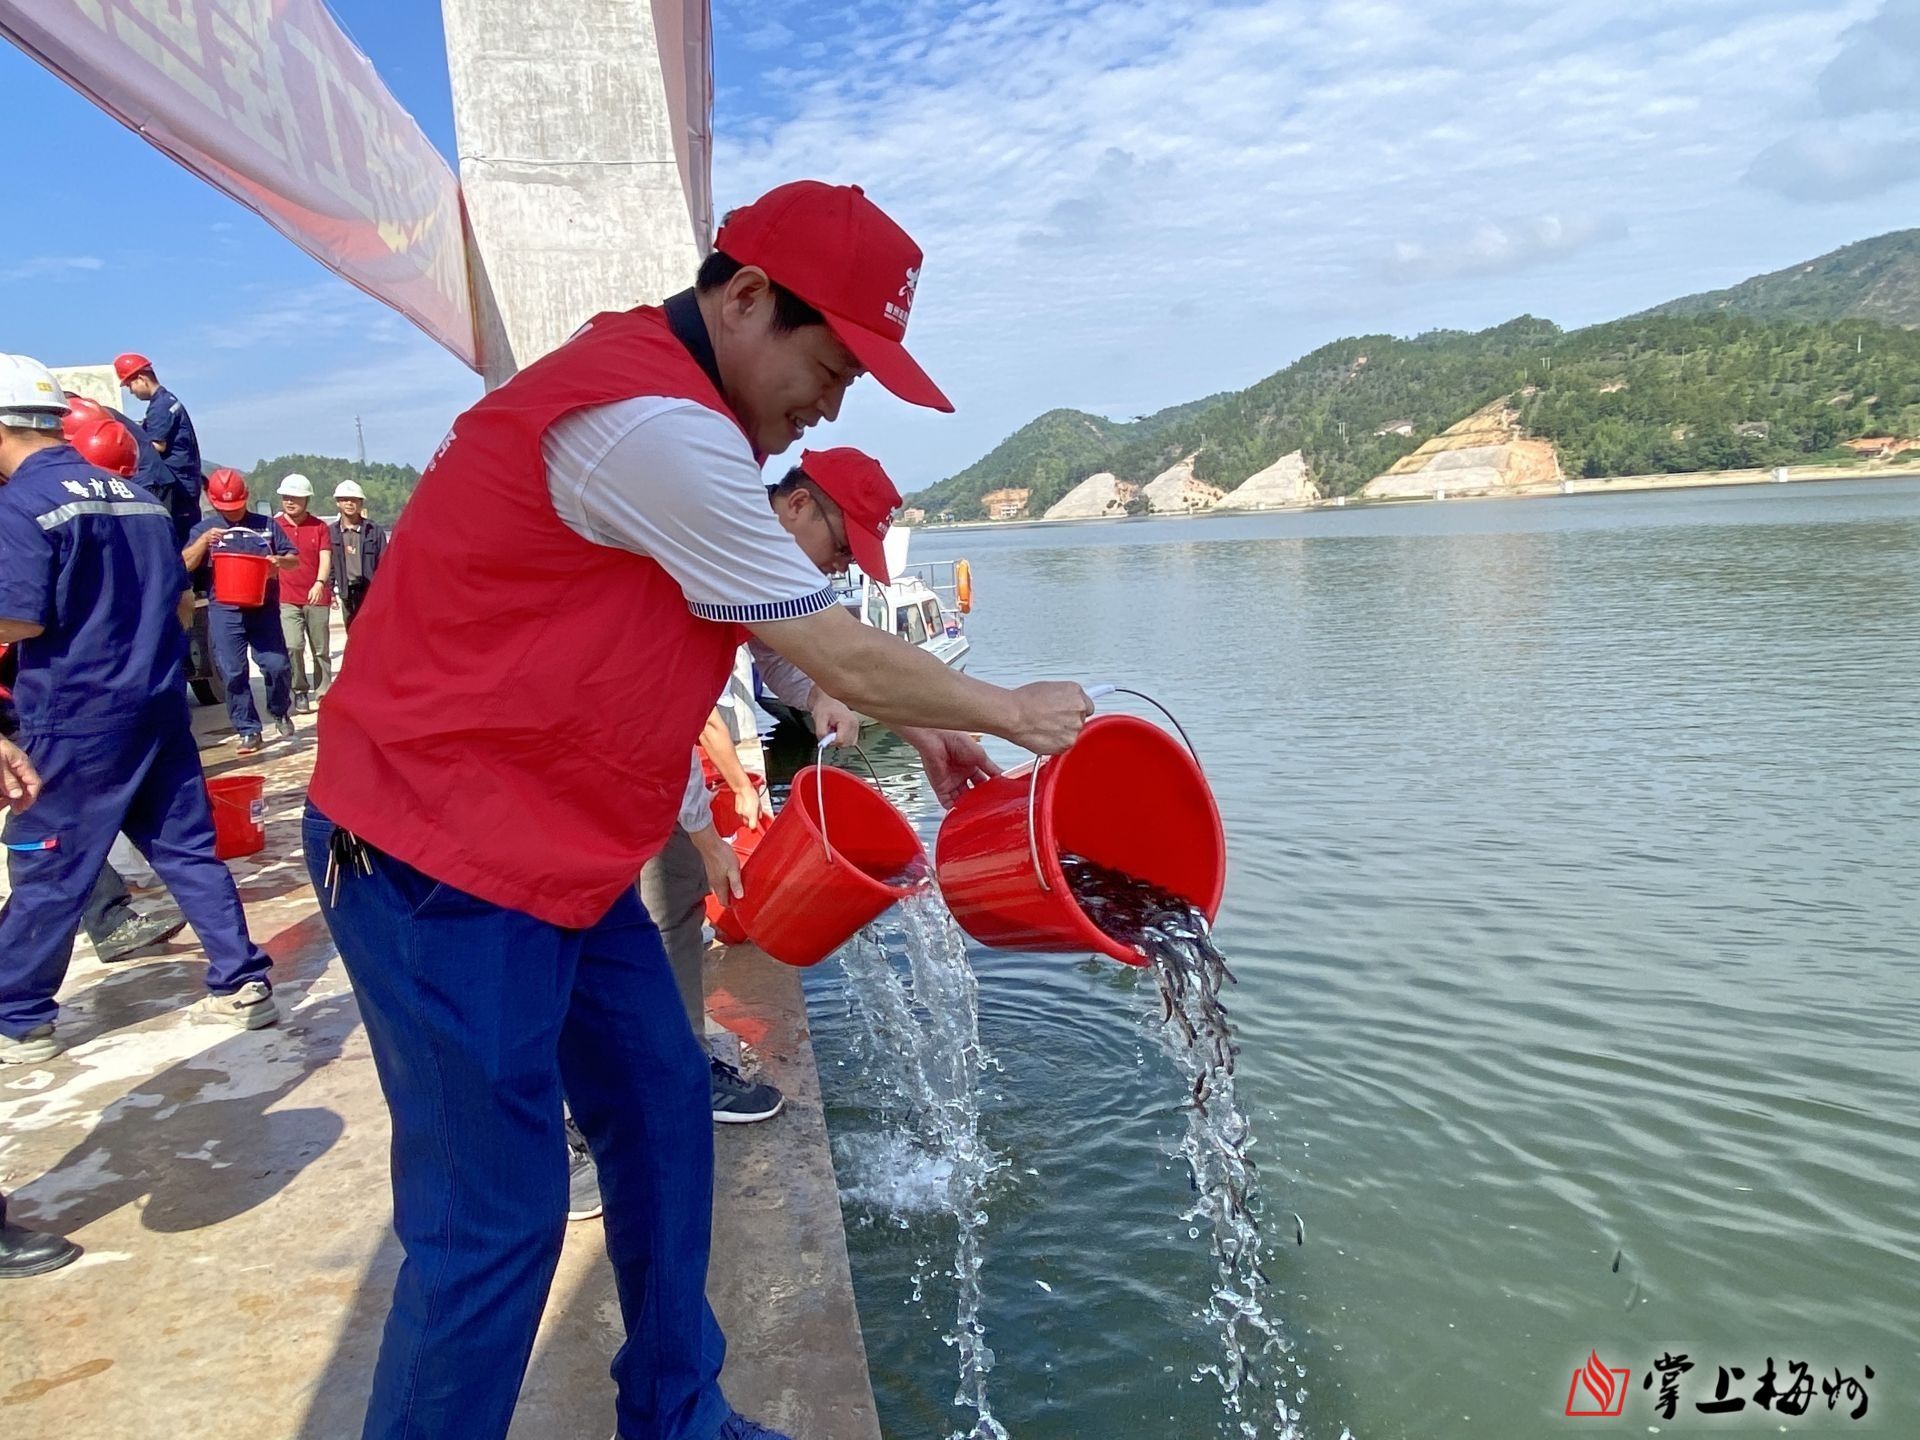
[[587, 548]]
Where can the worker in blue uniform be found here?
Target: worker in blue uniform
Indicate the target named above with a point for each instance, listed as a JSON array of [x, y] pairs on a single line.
[[234, 629], [149, 468], [170, 428], [92, 591]]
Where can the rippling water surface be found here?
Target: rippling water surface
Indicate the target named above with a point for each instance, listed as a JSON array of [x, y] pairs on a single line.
[[1576, 846]]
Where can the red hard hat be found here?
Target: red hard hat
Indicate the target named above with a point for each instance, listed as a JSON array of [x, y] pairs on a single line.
[[80, 405], [104, 442], [129, 365], [227, 490]]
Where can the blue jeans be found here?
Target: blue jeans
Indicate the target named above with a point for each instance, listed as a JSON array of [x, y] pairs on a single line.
[[146, 781], [480, 1019]]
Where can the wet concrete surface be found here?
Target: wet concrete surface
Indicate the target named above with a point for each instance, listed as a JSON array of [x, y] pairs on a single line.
[[230, 1189]]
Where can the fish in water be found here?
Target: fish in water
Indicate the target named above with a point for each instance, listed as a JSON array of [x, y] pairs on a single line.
[[1175, 941]]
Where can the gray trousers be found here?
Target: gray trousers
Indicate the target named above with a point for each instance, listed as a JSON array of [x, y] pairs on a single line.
[[306, 628], [673, 887]]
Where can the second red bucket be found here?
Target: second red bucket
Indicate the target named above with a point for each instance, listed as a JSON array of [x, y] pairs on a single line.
[[239, 815], [241, 580], [810, 887], [1126, 795]]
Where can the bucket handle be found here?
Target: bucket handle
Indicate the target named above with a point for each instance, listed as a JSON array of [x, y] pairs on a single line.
[[1094, 693], [820, 785]]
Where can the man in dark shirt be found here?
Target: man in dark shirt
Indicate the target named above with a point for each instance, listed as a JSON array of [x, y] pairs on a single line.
[[358, 544], [170, 428]]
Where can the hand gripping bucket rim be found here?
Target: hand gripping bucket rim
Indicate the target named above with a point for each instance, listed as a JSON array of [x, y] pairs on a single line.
[[1126, 794], [810, 887]]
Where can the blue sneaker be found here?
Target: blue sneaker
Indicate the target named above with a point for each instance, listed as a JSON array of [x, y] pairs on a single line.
[[738, 1427]]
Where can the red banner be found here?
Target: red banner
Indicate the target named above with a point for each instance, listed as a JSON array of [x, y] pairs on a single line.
[[267, 100]]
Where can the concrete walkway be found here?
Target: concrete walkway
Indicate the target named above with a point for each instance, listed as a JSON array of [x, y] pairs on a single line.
[[231, 1191]]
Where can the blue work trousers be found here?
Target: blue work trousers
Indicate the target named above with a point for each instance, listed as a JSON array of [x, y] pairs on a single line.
[[146, 781], [480, 1020], [231, 631]]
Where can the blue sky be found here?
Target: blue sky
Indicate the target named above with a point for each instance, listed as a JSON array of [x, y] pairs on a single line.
[[1124, 205]]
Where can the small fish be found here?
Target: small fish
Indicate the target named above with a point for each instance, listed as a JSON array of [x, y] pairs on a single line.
[[1299, 1229], [1616, 1261], [1044, 1286]]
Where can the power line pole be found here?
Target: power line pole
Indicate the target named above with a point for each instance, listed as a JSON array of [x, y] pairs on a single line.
[[361, 436]]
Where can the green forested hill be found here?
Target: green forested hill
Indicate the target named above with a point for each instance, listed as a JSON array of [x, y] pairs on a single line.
[[387, 486], [1049, 456], [1639, 396], [1708, 392], [1776, 370], [1877, 279]]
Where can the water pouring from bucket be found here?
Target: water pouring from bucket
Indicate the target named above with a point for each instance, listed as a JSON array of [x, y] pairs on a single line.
[[1126, 796], [1115, 846]]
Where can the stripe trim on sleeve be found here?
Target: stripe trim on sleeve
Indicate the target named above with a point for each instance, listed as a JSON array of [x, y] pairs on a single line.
[[74, 509], [768, 610]]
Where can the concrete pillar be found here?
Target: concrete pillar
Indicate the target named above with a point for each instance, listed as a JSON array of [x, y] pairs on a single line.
[[574, 194]]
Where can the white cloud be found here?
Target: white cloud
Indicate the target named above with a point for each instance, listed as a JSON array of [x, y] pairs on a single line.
[[1501, 247], [769, 35], [1150, 200], [1837, 162], [305, 313], [42, 266], [1878, 67], [405, 396], [1867, 139]]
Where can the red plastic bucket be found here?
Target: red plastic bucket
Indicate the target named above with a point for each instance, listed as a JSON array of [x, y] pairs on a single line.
[[807, 893], [240, 580], [239, 815], [1126, 795]]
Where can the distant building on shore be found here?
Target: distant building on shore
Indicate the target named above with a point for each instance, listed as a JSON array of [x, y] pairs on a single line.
[[1006, 504]]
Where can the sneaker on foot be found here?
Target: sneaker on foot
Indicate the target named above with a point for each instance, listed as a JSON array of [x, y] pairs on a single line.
[[140, 936], [738, 1427], [26, 1252], [583, 1180], [738, 1100], [39, 1043], [248, 1008], [283, 726], [302, 703], [249, 745]]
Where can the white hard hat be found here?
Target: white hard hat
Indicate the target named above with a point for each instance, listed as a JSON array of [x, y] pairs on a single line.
[[30, 398], [349, 490], [298, 485]]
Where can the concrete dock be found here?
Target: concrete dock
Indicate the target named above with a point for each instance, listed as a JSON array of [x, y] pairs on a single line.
[[231, 1192]]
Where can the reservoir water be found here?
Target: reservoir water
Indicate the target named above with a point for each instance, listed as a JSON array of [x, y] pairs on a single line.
[[1575, 905]]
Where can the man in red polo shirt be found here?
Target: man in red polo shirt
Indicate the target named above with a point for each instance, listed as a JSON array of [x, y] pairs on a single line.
[[583, 555], [306, 591]]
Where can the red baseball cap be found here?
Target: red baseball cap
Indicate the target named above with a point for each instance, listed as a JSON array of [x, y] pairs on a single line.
[[866, 497], [839, 252]]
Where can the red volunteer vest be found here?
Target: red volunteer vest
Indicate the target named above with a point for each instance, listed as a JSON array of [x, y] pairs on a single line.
[[516, 712]]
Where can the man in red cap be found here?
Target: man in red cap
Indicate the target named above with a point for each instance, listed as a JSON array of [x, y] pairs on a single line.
[[170, 429], [584, 553]]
